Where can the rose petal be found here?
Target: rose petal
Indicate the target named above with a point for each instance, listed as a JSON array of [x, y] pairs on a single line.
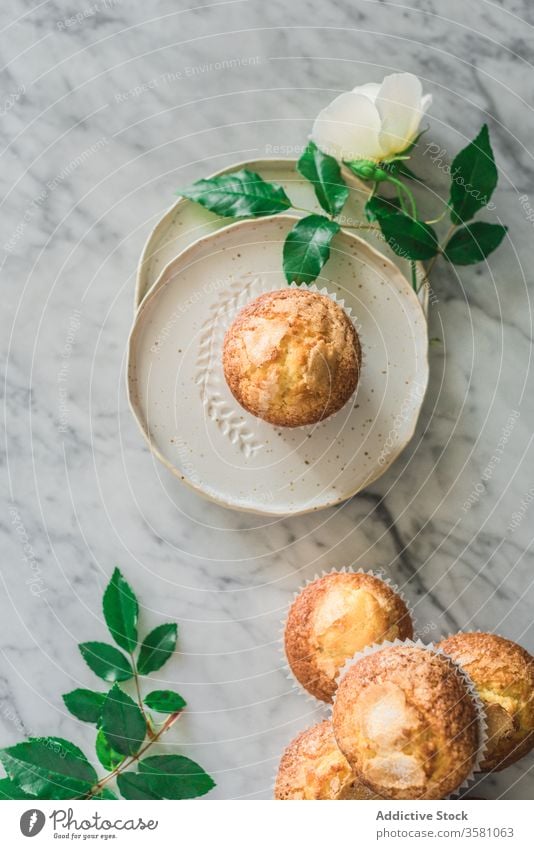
[[399, 103], [369, 90], [348, 128], [426, 103]]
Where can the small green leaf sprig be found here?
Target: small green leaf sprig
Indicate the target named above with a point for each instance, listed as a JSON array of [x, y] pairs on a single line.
[[54, 768], [244, 194]]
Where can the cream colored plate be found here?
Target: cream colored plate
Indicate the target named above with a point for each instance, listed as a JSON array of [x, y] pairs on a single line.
[[186, 221], [194, 425]]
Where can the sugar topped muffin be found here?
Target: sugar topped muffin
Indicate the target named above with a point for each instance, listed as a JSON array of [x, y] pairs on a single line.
[[333, 618], [312, 767], [407, 723], [292, 357], [503, 674]]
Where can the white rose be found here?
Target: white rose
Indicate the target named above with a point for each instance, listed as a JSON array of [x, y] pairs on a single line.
[[373, 121]]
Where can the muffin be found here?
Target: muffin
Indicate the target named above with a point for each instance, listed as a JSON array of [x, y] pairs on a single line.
[[292, 357], [335, 617], [503, 674], [407, 724], [312, 767]]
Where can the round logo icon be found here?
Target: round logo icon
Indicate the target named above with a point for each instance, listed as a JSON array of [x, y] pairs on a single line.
[[32, 822]]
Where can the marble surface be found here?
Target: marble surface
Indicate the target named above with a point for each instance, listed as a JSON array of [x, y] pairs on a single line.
[[103, 116]]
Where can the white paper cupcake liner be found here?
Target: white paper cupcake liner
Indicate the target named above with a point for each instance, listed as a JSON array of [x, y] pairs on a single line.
[[473, 631], [479, 706], [296, 685]]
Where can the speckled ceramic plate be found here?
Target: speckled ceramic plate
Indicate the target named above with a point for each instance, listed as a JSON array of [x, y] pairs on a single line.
[[198, 430], [186, 221]]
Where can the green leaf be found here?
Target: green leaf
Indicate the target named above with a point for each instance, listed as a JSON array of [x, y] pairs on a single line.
[[107, 756], [135, 786], [176, 777], [122, 722], [474, 243], [378, 207], [242, 194], [10, 790], [325, 174], [49, 768], [157, 647], [409, 238], [307, 248], [474, 177], [121, 611], [105, 794], [84, 704], [106, 661], [164, 701]]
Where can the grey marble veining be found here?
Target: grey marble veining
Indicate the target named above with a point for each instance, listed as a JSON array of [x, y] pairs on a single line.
[[102, 117]]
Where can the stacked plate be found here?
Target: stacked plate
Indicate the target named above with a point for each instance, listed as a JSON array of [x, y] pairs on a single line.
[[196, 272]]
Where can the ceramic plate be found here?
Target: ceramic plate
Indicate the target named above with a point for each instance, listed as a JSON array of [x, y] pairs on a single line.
[[186, 222], [198, 430]]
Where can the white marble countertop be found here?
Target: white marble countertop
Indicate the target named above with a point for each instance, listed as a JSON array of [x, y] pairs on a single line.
[[104, 114]]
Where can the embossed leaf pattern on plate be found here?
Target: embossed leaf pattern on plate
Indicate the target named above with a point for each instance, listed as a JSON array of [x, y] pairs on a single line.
[[209, 376]]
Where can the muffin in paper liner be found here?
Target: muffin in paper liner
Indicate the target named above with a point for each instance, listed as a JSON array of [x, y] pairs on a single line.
[[296, 684], [312, 767], [507, 744], [258, 287], [470, 688]]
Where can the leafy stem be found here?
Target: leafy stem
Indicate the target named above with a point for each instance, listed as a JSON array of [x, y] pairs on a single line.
[[122, 767], [413, 271], [358, 226], [432, 262], [244, 194], [303, 209], [54, 768], [402, 189], [438, 219], [146, 717]]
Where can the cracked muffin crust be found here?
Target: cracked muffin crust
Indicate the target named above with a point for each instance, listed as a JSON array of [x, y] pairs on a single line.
[[503, 674], [292, 357], [312, 767], [333, 618], [407, 724]]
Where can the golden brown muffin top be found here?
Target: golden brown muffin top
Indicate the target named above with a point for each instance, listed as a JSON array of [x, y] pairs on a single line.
[[404, 719], [503, 674], [333, 618], [292, 357], [312, 767]]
